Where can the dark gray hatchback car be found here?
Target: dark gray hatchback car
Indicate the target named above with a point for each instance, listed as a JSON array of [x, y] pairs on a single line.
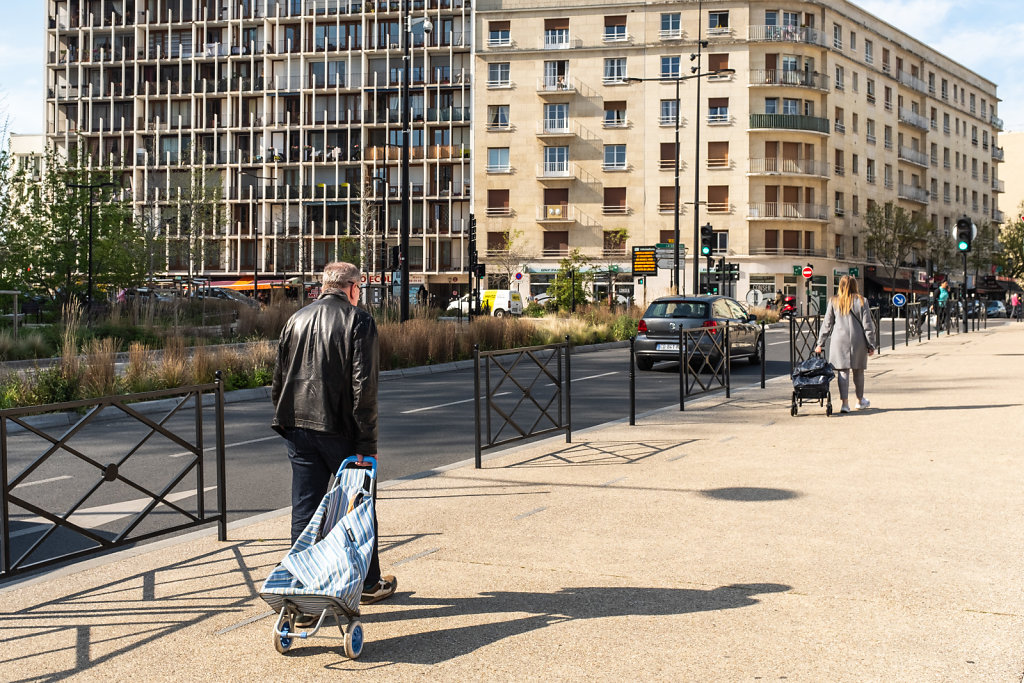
[[658, 336]]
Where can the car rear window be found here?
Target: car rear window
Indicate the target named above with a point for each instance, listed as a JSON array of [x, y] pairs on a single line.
[[677, 309]]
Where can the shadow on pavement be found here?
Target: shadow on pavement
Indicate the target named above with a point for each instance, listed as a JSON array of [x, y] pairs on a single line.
[[750, 494], [600, 453], [434, 645]]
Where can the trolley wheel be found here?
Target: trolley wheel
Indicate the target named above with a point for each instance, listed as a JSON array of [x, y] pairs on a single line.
[[283, 643], [793, 410], [353, 639]]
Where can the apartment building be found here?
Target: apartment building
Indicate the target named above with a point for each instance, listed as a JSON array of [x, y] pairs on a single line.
[[291, 109], [27, 153], [829, 110]]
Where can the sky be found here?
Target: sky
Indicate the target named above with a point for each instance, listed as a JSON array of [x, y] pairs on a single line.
[[983, 35]]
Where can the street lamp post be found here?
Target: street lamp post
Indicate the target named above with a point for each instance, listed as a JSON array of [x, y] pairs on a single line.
[[256, 243], [90, 187], [403, 233], [676, 235]]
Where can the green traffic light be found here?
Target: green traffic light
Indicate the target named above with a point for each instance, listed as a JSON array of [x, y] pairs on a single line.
[[962, 245], [705, 251]]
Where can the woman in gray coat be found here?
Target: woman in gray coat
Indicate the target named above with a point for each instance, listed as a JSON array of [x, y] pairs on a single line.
[[849, 328]]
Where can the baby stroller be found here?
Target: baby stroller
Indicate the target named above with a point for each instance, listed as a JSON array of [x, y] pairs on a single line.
[[811, 383], [323, 573]]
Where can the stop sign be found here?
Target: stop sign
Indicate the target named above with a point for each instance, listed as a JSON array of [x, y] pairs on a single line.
[[808, 272]]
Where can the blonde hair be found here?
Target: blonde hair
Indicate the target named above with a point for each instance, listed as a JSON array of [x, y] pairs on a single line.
[[848, 293]]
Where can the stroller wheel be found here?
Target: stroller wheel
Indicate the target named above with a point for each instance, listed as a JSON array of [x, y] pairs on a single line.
[[353, 639], [793, 410], [283, 642]]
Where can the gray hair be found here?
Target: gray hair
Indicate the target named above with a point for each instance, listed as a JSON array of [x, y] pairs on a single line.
[[339, 275]]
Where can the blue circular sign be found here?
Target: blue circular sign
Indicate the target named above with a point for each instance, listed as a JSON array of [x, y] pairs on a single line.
[[899, 299], [519, 276]]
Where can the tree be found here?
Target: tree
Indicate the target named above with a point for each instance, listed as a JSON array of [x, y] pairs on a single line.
[[571, 282], [507, 260], [984, 247], [198, 218], [1011, 258], [892, 233], [614, 241], [940, 251]]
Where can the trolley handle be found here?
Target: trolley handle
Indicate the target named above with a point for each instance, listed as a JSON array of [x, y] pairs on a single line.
[[369, 462]]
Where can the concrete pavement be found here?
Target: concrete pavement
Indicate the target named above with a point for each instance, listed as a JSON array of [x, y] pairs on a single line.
[[728, 542]]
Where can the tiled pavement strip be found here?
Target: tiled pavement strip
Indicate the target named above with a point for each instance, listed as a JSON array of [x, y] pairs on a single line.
[[728, 542]]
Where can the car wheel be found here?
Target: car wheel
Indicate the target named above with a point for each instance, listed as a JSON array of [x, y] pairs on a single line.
[[499, 313], [644, 363], [755, 358]]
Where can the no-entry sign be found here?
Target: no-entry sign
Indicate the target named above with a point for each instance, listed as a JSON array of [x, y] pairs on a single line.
[[808, 272]]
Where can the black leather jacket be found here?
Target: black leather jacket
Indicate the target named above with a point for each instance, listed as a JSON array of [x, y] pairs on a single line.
[[326, 374]]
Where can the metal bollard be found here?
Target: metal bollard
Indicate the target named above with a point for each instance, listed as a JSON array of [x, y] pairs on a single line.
[[764, 352], [632, 380]]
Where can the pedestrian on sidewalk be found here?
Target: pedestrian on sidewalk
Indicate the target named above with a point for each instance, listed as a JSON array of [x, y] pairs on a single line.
[[325, 399], [849, 329], [1014, 304], [943, 310]]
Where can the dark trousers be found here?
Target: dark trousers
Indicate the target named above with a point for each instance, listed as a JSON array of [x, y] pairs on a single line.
[[315, 456]]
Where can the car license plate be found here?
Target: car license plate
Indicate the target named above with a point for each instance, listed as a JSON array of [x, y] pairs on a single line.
[[667, 347]]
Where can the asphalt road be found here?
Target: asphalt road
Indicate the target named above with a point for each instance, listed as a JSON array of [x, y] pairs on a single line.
[[424, 421]]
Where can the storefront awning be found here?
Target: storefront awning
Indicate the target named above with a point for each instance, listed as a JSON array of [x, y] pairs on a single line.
[[1008, 285], [903, 285]]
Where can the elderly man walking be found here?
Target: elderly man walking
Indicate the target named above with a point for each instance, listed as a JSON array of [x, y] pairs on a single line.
[[325, 399]]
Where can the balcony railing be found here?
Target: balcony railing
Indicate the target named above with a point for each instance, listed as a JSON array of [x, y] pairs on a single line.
[[998, 154], [615, 210], [497, 211], [913, 118], [786, 251], [913, 156], [802, 79], [790, 122], [722, 162], [555, 213], [788, 210], [558, 84], [776, 166], [554, 127], [786, 34], [998, 216], [555, 169], [998, 185], [996, 122], [912, 82], [914, 194]]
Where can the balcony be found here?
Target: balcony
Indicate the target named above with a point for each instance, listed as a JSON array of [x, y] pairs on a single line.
[[913, 118], [998, 185], [560, 85], [722, 162], [776, 166], [555, 170], [998, 154], [498, 211], [554, 128], [813, 124], [996, 122], [671, 34], [998, 216], [799, 79], [787, 211], [913, 194], [913, 156], [556, 213], [616, 210], [786, 251], [786, 34], [912, 82], [615, 122], [559, 41]]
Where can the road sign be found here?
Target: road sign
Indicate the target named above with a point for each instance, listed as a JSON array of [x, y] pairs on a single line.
[[755, 297], [855, 272], [519, 276], [796, 270], [667, 263], [644, 261], [808, 272], [898, 300]]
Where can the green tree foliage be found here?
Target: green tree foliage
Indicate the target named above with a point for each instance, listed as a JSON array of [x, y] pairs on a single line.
[[892, 233], [566, 286], [941, 252], [1011, 258], [195, 229], [984, 248]]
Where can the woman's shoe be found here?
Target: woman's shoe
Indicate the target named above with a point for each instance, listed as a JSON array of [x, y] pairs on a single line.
[[844, 409], [863, 404]]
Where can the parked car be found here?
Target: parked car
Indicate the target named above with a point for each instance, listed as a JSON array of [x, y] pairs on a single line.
[[499, 302], [996, 309], [230, 295], [658, 334]]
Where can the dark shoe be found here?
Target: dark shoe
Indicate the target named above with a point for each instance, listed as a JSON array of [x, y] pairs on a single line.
[[383, 589]]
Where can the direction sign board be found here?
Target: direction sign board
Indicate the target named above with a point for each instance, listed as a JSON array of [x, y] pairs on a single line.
[[666, 263], [796, 270], [644, 262], [855, 272], [898, 300], [808, 272]]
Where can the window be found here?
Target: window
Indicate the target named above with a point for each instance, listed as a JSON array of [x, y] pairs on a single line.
[[556, 34], [853, 119], [855, 81], [556, 74], [718, 110], [837, 36], [888, 176], [667, 158], [497, 160], [556, 160], [871, 90], [670, 26], [498, 75], [840, 80], [972, 103], [497, 205], [614, 158], [771, 17], [718, 62], [853, 41], [499, 34], [718, 199], [888, 137], [839, 166], [839, 208], [888, 98], [945, 89], [945, 123], [614, 70], [871, 171], [869, 52], [497, 117], [556, 117], [614, 29], [669, 112], [870, 131], [790, 106], [670, 67], [840, 124], [614, 114], [718, 155], [718, 23], [854, 164], [771, 105], [855, 209], [615, 201]]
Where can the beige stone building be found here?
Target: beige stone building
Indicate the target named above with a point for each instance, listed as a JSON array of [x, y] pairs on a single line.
[[829, 109]]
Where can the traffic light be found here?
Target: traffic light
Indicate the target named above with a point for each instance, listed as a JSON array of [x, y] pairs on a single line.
[[481, 270], [964, 234], [706, 234]]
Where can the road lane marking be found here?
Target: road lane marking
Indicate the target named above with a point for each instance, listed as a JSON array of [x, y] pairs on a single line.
[[95, 517], [445, 405], [227, 445], [46, 481], [580, 379]]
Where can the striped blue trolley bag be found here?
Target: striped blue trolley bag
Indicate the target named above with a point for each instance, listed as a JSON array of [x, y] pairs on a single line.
[[324, 571]]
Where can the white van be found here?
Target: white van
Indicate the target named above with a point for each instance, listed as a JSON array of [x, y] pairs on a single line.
[[499, 302]]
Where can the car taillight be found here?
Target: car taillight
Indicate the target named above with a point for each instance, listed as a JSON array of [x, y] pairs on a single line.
[[711, 325], [642, 327]]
